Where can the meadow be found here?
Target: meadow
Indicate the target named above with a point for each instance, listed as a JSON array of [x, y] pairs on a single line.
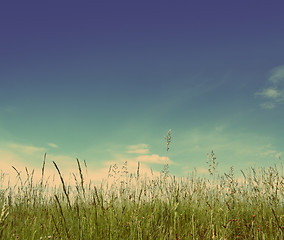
[[131, 206]]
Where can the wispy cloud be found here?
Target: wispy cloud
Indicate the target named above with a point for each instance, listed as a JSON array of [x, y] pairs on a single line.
[[138, 148], [274, 93], [270, 93], [154, 158], [277, 75], [53, 145], [27, 149], [268, 105]]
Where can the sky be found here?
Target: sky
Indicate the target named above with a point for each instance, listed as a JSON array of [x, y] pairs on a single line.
[[104, 81]]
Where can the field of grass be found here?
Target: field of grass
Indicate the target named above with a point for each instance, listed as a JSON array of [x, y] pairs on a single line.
[[138, 207]]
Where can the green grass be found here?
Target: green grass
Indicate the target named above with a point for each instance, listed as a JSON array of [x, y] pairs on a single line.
[[138, 207]]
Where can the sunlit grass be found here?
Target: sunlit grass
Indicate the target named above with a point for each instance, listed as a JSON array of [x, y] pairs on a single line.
[[132, 206]]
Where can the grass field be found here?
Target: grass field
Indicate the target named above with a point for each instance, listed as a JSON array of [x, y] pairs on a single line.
[[132, 206]]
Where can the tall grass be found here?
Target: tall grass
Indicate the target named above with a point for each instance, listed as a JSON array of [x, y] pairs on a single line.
[[139, 207]]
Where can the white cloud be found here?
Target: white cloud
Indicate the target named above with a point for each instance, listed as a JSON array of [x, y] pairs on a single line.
[[154, 158], [277, 75], [27, 149], [269, 93], [139, 149], [53, 145], [275, 92]]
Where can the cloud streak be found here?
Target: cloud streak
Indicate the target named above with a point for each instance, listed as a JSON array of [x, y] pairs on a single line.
[[277, 75], [139, 149], [270, 93], [53, 145], [274, 94], [154, 158], [27, 149]]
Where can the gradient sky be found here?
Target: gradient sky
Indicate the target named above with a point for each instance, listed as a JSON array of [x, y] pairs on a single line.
[[104, 81]]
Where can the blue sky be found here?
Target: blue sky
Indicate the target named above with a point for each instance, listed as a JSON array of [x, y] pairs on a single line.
[[105, 81]]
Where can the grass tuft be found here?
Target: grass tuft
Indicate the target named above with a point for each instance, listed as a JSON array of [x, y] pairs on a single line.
[[139, 207]]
